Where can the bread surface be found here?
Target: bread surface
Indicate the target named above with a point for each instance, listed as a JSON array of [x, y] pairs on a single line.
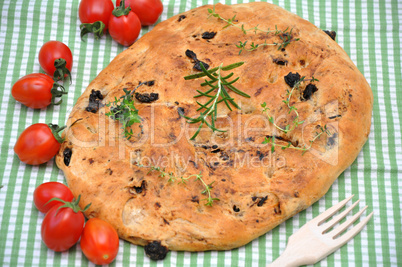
[[257, 189]]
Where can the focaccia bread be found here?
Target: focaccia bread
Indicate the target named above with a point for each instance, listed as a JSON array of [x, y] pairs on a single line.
[[253, 185]]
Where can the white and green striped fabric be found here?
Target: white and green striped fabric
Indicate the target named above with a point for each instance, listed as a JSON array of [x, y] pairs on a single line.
[[369, 31]]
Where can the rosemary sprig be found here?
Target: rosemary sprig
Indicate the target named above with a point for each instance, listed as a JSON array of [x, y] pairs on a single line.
[[284, 35], [304, 149], [218, 93], [183, 179], [123, 110], [289, 94]]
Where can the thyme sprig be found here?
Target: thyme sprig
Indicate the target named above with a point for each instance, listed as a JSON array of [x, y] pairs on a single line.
[[231, 22], [183, 180], [304, 149], [284, 35], [296, 122], [123, 110], [208, 188], [217, 93]]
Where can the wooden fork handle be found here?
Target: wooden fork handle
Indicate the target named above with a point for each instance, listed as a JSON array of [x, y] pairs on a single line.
[[301, 250], [288, 258]]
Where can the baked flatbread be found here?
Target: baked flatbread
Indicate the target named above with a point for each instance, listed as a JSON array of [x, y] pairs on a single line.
[[258, 186]]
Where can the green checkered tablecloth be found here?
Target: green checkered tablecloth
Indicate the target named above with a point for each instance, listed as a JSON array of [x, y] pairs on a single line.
[[369, 31]]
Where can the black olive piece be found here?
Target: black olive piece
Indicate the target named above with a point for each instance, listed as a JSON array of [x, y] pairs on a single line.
[[142, 187], [292, 78], [208, 35], [334, 117], [197, 62], [195, 199], [235, 209], [94, 101], [279, 137], [332, 139], [278, 210], [250, 139], [180, 110], [331, 34], [224, 156], [147, 98], [149, 83], [198, 67], [181, 17], [155, 251], [309, 91], [67, 153], [262, 201], [191, 55], [281, 62], [117, 113], [276, 137]]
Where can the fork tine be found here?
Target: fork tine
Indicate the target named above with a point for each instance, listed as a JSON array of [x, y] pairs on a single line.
[[341, 228], [331, 211], [339, 217], [354, 231]]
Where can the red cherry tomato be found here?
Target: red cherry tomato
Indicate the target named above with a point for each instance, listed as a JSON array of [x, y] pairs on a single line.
[[95, 14], [99, 241], [124, 26], [56, 53], [61, 228], [37, 90], [37, 144], [46, 191], [148, 11]]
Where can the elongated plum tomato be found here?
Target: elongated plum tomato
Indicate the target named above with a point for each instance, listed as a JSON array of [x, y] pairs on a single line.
[[63, 225], [94, 16], [148, 11], [124, 25], [99, 241], [38, 143], [37, 90], [56, 59], [46, 191]]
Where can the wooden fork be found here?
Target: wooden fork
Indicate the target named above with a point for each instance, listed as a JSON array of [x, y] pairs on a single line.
[[313, 242]]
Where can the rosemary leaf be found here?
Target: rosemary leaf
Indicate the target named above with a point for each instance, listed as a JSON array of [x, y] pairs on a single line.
[[217, 93]]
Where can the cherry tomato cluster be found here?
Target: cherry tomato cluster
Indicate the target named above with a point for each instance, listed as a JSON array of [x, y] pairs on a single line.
[[38, 90], [64, 224], [40, 142], [123, 22]]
